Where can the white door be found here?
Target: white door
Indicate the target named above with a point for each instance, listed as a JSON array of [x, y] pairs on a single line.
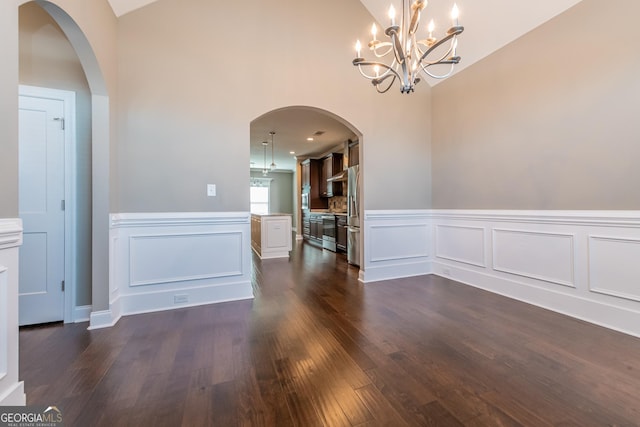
[[41, 206]]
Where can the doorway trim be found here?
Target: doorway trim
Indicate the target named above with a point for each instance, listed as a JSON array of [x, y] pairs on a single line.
[[69, 99]]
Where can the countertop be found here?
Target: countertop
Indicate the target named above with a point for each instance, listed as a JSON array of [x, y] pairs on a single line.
[[272, 214], [321, 211]]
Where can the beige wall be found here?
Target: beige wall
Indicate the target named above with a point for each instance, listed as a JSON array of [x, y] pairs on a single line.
[[47, 59], [281, 190], [193, 75], [9, 110], [548, 122]]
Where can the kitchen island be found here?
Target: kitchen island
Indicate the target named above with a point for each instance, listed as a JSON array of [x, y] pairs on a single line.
[[271, 235]]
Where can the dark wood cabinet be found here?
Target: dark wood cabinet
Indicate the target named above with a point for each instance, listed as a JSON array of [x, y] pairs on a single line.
[[354, 153], [311, 175], [331, 165]]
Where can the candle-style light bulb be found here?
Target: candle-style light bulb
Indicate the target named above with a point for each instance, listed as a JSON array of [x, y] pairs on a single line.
[[377, 70], [455, 13], [374, 31], [358, 47], [431, 27], [392, 15]]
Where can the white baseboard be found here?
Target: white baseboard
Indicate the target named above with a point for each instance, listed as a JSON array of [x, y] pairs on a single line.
[[15, 396], [162, 261], [149, 302], [102, 319], [571, 262], [81, 313]]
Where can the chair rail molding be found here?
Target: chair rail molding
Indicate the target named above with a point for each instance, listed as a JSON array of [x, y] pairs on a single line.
[[579, 263]]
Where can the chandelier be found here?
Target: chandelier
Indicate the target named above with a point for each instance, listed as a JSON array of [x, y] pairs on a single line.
[[410, 54]]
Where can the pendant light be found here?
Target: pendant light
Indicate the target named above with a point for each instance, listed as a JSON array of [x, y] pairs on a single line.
[[273, 164], [265, 171]]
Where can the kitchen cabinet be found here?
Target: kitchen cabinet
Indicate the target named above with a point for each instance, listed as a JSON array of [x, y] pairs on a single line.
[[271, 235], [312, 228], [306, 225], [331, 165], [311, 179], [354, 153]]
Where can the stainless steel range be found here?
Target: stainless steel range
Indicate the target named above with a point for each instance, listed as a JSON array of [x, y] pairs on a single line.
[[329, 232]]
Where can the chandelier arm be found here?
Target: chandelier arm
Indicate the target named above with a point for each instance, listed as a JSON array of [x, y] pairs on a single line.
[[387, 68], [383, 76], [415, 16], [444, 59], [389, 47], [452, 33], [442, 76], [376, 83]]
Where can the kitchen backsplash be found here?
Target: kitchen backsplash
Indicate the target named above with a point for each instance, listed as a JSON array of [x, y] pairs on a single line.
[[338, 204]]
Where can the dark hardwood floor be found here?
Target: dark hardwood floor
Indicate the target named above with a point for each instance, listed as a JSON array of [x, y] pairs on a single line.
[[317, 348]]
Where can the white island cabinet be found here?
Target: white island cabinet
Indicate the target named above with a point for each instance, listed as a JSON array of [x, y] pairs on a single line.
[[271, 235]]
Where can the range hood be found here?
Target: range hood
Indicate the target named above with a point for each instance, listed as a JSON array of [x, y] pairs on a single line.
[[340, 176]]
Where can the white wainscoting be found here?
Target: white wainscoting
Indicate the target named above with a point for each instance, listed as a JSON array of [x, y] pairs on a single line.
[[11, 389], [396, 244], [585, 264], [162, 261]]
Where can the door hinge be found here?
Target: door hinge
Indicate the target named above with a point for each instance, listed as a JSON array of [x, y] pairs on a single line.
[[62, 286], [62, 205], [61, 120]]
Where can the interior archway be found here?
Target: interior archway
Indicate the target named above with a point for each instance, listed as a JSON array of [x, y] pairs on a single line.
[[293, 126], [100, 137]]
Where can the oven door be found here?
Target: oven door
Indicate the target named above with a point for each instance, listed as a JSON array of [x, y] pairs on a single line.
[[329, 232]]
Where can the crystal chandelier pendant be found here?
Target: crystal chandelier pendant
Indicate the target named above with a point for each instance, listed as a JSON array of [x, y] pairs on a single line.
[[406, 54]]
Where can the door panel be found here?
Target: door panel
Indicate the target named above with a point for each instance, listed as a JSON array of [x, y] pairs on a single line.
[[41, 194]]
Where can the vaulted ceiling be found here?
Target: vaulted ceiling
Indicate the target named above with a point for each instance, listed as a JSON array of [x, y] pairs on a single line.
[[489, 25]]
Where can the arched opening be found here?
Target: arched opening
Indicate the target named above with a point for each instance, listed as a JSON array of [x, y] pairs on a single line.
[[98, 161], [305, 134]]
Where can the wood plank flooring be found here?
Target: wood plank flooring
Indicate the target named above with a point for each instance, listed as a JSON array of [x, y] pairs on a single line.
[[317, 348]]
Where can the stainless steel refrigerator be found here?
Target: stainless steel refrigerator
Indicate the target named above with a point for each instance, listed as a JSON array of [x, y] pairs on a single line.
[[353, 215]]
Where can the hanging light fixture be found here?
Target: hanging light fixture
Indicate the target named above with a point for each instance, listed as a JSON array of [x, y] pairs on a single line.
[[273, 164], [410, 54], [265, 171]]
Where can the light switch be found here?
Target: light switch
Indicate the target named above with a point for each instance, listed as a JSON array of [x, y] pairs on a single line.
[[211, 190]]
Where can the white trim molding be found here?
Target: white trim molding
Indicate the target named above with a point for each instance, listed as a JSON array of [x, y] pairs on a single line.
[[396, 244], [580, 263], [162, 261], [11, 389]]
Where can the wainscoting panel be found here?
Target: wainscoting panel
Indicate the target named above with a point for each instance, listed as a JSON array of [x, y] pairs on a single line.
[[461, 243], [614, 266], [542, 256], [397, 244], [584, 264], [162, 261], [184, 257], [11, 389]]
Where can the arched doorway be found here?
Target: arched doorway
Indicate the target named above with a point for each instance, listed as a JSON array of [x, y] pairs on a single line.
[[100, 148], [303, 132]]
